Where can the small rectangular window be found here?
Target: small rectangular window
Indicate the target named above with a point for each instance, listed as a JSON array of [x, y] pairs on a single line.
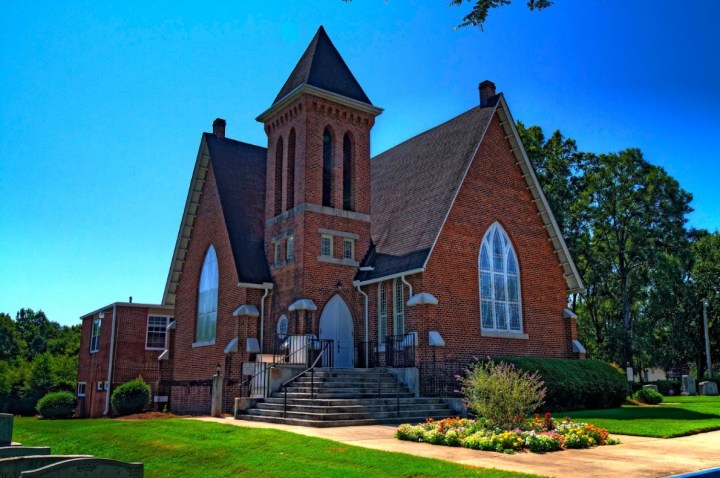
[[278, 253], [348, 249], [326, 245], [81, 389], [156, 332], [290, 249], [95, 336], [100, 386]]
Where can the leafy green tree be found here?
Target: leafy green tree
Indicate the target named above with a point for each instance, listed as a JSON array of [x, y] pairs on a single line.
[[481, 8], [11, 343], [36, 330]]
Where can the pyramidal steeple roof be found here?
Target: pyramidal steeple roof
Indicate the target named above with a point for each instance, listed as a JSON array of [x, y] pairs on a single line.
[[322, 66]]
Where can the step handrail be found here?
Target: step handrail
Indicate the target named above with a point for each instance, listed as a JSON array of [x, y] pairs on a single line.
[[311, 369]]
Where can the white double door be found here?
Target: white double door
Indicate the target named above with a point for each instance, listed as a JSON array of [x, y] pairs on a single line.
[[336, 324]]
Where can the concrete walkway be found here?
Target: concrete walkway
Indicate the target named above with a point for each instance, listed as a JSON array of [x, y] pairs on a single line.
[[634, 457]]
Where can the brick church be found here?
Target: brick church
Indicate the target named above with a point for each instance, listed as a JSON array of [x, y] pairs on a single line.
[[441, 248]]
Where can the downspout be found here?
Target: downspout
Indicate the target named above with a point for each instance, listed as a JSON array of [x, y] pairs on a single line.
[[407, 284], [367, 330], [262, 316], [110, 362]]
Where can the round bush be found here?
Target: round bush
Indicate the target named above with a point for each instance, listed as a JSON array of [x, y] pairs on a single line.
[[57, 405], [649, 396], [130, 397]]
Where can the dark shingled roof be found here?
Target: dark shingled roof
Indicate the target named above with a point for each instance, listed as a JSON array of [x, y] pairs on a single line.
[[240, 176], [413, 188], [322, 66]]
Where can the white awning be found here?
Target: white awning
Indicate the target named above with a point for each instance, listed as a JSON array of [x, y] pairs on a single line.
[[422, 298], [569, 314], [302, 304], [171, 326], [435, 339], [165, 355], [232, 346], [577, 347], [252, 345], [246, 310]]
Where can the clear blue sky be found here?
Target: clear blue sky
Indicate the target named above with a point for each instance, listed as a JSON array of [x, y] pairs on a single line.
[[102, 108]]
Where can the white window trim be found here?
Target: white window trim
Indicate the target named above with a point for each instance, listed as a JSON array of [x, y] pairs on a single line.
[[95, 339], [100, 386], [494, 331], [397, 310], [352, 249], [382, 304], [290, 249], [331, 239], [77, 389], [168, 319], [277, 253]]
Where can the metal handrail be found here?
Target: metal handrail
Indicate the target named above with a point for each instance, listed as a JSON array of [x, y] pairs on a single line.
[[311, 369]]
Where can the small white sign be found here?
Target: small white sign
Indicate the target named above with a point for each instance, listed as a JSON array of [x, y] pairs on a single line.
[[630, 376]]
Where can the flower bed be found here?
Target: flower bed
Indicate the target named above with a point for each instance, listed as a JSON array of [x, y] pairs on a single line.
[[539, 435]]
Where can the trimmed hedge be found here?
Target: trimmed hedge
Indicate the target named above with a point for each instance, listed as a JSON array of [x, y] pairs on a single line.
[[57, 405], [576, 384], [649, 396], [130, 397]]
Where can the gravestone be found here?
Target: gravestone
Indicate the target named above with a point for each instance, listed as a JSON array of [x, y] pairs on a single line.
[[688, 385], [12, 467], [651, 385], [88, 468], [6, 426], [708, 388], [11, 451]]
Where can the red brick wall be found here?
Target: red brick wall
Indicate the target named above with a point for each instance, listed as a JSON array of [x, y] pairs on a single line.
[[93, 367]]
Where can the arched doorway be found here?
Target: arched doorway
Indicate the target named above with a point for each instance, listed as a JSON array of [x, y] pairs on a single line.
[[336, 324]]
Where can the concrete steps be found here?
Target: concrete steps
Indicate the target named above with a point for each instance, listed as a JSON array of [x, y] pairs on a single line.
[[346, 397]]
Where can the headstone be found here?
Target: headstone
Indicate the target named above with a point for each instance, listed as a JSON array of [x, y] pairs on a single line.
[[6, 426], [217, 389], [12, 467], [708, 388], [651, 385], [688, 385], [11, 451], [88, 468]]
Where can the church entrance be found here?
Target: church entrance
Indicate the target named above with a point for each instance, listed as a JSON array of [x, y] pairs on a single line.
[[336, 324]]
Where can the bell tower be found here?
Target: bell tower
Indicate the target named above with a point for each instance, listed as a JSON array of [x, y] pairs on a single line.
[[317, 211]]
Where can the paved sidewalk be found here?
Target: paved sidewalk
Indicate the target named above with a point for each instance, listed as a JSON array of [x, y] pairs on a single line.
[[634, 457]]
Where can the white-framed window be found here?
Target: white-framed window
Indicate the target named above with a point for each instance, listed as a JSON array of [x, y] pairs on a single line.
[[95, 336], [382, 313], [277, 255], [207, 298], [348, 249], [290, 248], [80, 391], [326, 245], [100, 386], [499, 282], [398, 307], [156, 332]]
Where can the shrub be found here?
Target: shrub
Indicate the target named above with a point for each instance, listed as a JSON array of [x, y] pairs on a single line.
[[669, 387], [576, 384], [57, 405], [501, 393], [649, 396], [131, 397], [543, 442]]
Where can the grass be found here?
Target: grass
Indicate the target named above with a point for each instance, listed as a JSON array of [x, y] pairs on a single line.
[[677, 416], [179, 448]]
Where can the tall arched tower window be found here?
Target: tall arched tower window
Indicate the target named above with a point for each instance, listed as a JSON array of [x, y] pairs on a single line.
[[327, 168], [278, 176], [207, 298], [499, 282], [348, 174], [290, 174], [382, 313], [398, 307]]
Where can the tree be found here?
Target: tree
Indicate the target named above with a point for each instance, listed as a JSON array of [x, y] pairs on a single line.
[[36, 330], [11, 343], [481, 8]]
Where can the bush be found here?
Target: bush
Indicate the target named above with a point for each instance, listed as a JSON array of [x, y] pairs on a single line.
[[501, 393], [57, 405], [669, 387], [130, 397], [576, 384], [648, 395]]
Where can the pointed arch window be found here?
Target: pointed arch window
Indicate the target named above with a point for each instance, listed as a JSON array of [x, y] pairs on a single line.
[[327, 168], [290, 172], [382, 313], [207, 299], [277, 208], [499, 282], [348, 174], [398, 307]]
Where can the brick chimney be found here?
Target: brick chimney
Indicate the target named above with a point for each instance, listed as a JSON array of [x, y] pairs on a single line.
[[219, 127], [487, 90]]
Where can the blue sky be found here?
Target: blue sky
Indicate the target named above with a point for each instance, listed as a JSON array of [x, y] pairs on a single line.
[[102, 108]]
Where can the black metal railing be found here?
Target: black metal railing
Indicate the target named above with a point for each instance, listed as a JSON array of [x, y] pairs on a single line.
[[396, 351], [325, 355], [440, 379]]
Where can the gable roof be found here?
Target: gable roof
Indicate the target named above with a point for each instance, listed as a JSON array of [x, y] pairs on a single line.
[[322, 66], [239, 170], [414, 186]]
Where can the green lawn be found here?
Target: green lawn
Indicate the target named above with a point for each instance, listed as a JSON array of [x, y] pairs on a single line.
[[677, 416], [187, 448]]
